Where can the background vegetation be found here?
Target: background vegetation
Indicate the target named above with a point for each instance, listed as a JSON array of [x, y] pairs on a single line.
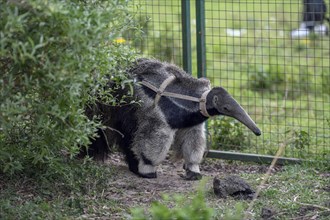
[[281, 81]]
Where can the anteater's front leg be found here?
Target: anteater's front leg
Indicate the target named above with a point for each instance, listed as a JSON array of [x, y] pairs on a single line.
[[190, 144], [151, 144]]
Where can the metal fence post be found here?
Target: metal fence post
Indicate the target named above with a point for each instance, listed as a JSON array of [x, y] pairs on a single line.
[[186, 36], [200, 26], [200, 41]]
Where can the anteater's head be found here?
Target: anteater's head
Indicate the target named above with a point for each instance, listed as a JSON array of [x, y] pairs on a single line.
[[220, 102]]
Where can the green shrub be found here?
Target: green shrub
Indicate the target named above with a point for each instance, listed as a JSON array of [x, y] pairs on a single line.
[[299, 139], [52, 53], [267, 77], [227, 134], [194, 210]]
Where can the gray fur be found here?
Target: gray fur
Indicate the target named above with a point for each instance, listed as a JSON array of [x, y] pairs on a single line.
[[151, 130]]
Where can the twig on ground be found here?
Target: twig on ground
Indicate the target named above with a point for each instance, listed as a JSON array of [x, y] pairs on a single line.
[[264, 180], [314, 206]]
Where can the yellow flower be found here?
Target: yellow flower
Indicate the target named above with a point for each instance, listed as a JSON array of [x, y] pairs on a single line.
[[304, 41], [120, 40]]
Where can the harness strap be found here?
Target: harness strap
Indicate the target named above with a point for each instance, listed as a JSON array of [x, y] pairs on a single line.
[[202, 104], [162, 88], [161, 92], [180, 96]]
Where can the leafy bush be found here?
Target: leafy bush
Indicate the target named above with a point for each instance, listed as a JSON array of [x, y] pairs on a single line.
[[267, 78], [299, 139], [227, 134], [278, 79], [51, 54]]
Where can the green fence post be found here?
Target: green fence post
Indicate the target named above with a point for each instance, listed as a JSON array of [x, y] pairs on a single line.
[[200, 41], [200, 31], [186, 35]]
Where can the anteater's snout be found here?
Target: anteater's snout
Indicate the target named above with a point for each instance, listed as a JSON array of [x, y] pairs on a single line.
[[257, 132]]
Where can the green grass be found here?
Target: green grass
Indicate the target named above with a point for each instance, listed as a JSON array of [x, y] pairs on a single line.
[[282, 82], [286, 191], [296, 192], [78, 194]]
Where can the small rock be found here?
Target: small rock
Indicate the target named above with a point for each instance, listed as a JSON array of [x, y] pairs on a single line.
[[267, 213], [232, 186]]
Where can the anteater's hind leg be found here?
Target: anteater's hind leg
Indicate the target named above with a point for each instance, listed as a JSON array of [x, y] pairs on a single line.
[[98, 149], [190, 144], [131, 159]]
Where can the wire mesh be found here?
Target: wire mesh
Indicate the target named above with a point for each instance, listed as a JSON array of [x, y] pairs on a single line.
[[162, 29], [268, 57]]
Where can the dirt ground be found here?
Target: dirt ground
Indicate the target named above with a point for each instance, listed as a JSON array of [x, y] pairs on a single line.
[[136, 191]]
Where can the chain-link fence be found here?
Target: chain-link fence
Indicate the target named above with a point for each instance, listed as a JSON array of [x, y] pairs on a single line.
[[267, 54]]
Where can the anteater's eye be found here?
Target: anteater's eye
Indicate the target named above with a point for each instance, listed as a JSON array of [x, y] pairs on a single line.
[[226, 108]]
